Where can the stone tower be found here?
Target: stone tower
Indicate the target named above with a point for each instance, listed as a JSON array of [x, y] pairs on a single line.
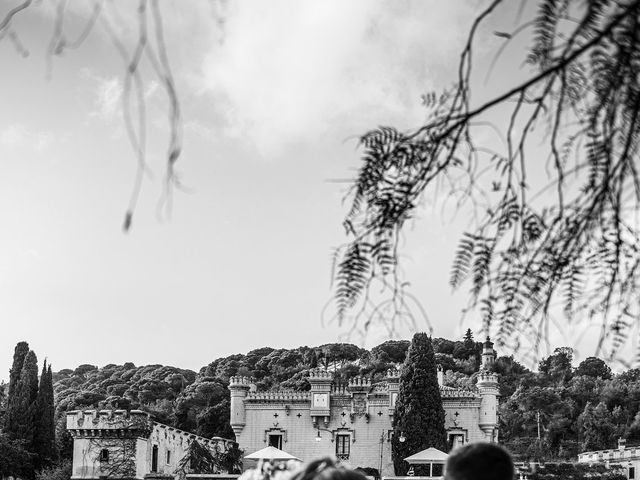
[[393, 384], [488, 355], [239, 387], [488, 387], [320, 381], [110, 443]]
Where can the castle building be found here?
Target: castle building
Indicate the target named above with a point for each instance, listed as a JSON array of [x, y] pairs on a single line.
[[128, 445], [354, 422]]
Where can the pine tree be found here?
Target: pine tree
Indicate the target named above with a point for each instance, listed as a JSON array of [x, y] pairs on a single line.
[[19, 354], [468, 337], [419, 414], [44, 436], [473, 349], [26, 394]]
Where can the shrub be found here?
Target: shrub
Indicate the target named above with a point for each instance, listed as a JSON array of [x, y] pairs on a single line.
[[61, 471]]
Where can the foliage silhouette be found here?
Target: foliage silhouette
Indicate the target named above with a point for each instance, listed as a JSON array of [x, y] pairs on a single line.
[[419, 414], [568, 246]]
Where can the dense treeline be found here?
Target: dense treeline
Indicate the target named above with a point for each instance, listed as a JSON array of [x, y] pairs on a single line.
[[575, 408], [27, 436]]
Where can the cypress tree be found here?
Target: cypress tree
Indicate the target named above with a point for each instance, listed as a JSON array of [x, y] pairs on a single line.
[[44, 437], [19, 354], [419, 414], [26, 394]]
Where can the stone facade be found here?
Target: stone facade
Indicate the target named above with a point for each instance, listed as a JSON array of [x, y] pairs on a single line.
[[623, 457], [354, 422], [128, 445]]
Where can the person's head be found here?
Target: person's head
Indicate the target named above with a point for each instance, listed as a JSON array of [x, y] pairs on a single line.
[[327, 469], [479, 461]]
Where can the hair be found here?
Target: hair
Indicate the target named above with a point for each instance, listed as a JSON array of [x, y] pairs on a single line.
[[327, 469], [480, 461]]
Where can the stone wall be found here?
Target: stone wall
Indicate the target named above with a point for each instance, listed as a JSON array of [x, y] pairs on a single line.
[[120, 444]]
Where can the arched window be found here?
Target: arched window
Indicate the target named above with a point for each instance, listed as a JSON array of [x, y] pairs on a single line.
[[154, 458]]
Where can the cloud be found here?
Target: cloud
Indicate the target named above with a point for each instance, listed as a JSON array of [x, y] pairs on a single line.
[[107, 94], [291, 70], [13, 135], [17, 135]]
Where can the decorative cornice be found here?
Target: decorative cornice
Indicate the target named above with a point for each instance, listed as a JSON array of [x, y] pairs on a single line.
[[278, 396], [450, 392], [109, 433]]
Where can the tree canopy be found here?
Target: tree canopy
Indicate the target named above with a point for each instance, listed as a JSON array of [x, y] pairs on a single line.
[[419, 415]]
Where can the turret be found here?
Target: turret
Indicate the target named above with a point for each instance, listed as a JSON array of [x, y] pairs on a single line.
[[488, 355], [393, 383], [99, 434], [239, 387], [488, 387], [320, 381]]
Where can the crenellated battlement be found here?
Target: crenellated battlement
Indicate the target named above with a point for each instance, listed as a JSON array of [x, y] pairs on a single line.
[[393, 374], [320, 374], [359, 384], [123, 423], [240, 382], [109, 420], [487, 379], [339, 390]]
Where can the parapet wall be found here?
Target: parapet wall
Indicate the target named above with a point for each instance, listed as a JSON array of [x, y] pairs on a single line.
[[105, 423], [279, 396], [108, 420]]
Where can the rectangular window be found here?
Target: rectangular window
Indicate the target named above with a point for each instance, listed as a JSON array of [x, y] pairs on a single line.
[[154, 458], [456, 440], [632, 473], [343, 446], [275, 440], [104, 455], [168, 457]]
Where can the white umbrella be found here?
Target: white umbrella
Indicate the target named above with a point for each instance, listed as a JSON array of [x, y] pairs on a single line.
[[429, 456], [271, 453]]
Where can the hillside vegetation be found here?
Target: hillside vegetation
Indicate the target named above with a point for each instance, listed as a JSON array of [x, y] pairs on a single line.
[[577, 408], [199, 402]]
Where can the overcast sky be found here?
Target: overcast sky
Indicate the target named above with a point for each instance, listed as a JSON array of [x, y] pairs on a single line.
[[273, 95]]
